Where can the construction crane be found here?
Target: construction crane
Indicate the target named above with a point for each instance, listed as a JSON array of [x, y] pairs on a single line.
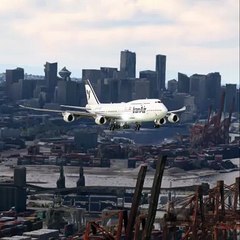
[[215, 131]]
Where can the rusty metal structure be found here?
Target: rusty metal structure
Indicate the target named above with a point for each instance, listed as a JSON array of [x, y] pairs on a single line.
[[207, 214], [128, 227], [215, 131], [215, 216], [96, 229], [201, 216]]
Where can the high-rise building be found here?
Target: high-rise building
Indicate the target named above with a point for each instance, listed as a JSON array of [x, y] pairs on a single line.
[[128, 64], [110, 90], [172, 85], [108, 72], [141, 88], [198, 90], [125, 89], [50, 70], [206, 89], [213, 89], [23, 89], [161, 71], [95, 77], [69, 93], [12, 77], [151, 76], [238, 101], [183, 83], [230, 94]]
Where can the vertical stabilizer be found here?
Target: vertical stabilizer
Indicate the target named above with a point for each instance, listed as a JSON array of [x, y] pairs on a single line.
[[90, 94]]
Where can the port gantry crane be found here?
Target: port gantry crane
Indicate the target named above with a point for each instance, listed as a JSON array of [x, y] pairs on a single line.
[[214, 131]]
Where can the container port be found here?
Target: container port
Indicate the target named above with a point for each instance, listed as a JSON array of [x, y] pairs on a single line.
[[102, 185], [83, 212]]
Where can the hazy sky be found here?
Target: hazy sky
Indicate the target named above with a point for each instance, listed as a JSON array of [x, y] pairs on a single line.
[[198, 36]]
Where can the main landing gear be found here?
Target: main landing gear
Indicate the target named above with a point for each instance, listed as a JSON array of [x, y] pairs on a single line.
[[125, 126], [137, 127], [114, 126]]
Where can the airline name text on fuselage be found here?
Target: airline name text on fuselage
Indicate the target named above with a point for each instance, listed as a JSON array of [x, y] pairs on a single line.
[[141, 109]]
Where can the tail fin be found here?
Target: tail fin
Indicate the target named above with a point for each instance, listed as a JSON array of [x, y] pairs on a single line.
[[90, 94]]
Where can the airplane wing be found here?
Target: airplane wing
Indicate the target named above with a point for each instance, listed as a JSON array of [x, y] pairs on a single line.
[[76, 107], [178, 110], [75, 113]]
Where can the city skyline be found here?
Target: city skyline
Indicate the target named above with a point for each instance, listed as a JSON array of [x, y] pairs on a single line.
[[196, 36]]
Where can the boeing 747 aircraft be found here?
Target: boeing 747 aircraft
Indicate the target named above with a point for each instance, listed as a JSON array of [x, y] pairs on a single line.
[[118, 115]]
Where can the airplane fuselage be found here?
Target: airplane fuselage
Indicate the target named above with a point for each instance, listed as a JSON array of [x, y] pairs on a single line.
[[142, 110]]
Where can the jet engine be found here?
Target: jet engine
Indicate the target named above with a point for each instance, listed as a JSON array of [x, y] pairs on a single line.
[[173, 118], [160, 121], [68, 117], [100, 120]]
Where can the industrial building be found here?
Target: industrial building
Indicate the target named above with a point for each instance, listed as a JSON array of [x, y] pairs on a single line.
[[13, 194]]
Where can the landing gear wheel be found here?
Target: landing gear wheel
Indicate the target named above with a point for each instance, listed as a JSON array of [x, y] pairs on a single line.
[[125, 126], [137, 127], [112, 127]]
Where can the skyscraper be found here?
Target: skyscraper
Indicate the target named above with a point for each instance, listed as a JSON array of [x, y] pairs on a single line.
[[183, 83], [13, 75], [95, 76], [128, 64], [109, 89], [50, 70], [161, 71], [198, 90], [172, 85], [213, 89], [69, 92], [231, 92], [151, 76], [12, 78], [108, 72], [141, 88]]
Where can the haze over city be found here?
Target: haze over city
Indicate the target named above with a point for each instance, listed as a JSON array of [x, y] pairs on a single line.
[[196, 36]]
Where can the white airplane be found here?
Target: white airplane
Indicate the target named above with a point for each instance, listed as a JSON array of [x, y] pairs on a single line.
[[118, 114]]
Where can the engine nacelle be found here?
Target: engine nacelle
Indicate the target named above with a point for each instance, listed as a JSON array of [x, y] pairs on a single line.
[[68, 117], [100, 120], [160, 121], [173, 118]]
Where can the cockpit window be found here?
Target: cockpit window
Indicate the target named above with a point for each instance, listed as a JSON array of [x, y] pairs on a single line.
[[158, 101]]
